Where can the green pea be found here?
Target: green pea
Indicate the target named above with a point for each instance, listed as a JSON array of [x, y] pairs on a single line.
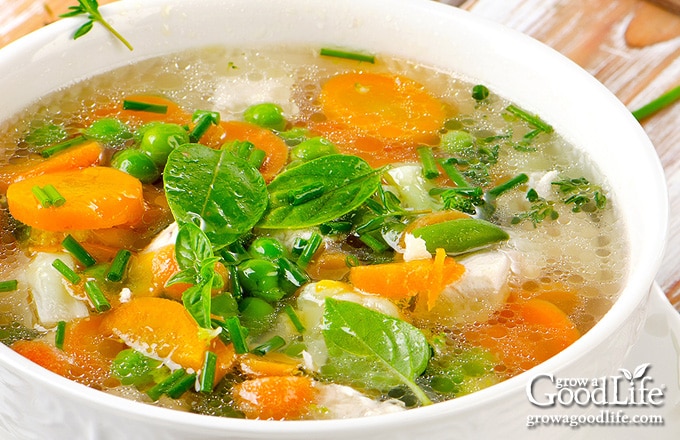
[[256, 314], [158, 140], [460, 235], [109, 131], [260, 278], [480, 92], [312, 148], [266, 115], [456, 141], [267, 248], [137, 164]]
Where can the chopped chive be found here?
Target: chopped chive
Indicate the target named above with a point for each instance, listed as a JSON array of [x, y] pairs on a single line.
[[335, 53], [256, 158], [163, 386], [61, 146], [202, 120], [375, 206], [66, 271], [237, 335], [41, 196], [533, 120], [309, 250], [294, 318], [208, 372], [273, 344], [449, 166], [8, 285], [78, 251], [352, 261], [508, 185], [428, 161], [181, 385], [118, 265], [374, 243], [336, 227], [291, 276], [306, 193], [99, 301], [298, 246], [56, 198], [657, 104], [144, 107], [60, 334]]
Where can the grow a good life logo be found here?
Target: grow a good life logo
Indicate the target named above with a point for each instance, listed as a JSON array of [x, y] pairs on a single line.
[[611, 394]]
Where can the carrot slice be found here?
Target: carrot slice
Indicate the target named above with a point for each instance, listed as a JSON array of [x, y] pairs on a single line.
[[80, 156], [96, 198], [159, 327], [271, 364], [134, 118], [275, 397], [525, 334], [91, 351], [404, 280], [380, 117], [45, 355], [262, 138]]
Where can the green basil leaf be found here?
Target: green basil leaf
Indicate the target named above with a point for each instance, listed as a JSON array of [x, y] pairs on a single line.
[[197, 298], [373, 350], [318, 191], [222, 193], [191, 246]]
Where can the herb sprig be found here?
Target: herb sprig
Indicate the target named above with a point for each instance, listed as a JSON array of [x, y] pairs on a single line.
[[91, 9]]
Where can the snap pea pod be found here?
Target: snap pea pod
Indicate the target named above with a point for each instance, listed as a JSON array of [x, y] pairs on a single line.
[[460, 235]]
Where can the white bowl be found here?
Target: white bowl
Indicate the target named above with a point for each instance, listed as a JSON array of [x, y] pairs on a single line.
[[35, 404]]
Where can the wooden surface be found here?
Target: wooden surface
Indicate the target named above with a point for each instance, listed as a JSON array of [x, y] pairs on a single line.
[[631, 46]]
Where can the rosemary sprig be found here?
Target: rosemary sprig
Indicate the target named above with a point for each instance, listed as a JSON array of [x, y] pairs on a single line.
[[91, 9]]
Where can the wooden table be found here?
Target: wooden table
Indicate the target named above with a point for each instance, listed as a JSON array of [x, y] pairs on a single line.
[[631, 46]]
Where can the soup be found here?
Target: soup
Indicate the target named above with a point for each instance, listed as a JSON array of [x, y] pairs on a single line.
[[288, 235]]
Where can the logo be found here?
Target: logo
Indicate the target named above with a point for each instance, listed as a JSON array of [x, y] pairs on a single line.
[[629, 389]]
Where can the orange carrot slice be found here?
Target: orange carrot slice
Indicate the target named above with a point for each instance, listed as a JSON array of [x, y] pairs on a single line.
[[159, 327], [404, 280], [378, 116], [275, 397], [91, 352], [96, 198], [271, 364], [262, 138], [135, 118], [80, 156], [525, 334], [45, 355]]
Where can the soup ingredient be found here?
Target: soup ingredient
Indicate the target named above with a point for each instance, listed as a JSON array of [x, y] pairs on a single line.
[[275, 397], [581, 193], [225, 194], [96, 198], [318, 191], [460, 235], [512, 335], [404, 280], [266, 115], [372, 349], [76, 157], [356, 56], [45, 355], [53, 298], [91, 9], [137, 164]]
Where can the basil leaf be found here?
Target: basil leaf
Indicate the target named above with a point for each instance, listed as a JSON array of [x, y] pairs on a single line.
[[197, 298], [373, 350], [215, 189], [318, 191], [191, 246]]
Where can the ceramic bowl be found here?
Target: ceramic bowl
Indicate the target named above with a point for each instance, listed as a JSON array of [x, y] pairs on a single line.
[[35, 404]]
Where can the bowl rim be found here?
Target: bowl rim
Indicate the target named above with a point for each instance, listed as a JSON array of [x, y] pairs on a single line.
[[631, 299]]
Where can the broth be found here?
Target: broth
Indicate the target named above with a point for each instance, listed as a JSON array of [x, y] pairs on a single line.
[[542, 258]]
